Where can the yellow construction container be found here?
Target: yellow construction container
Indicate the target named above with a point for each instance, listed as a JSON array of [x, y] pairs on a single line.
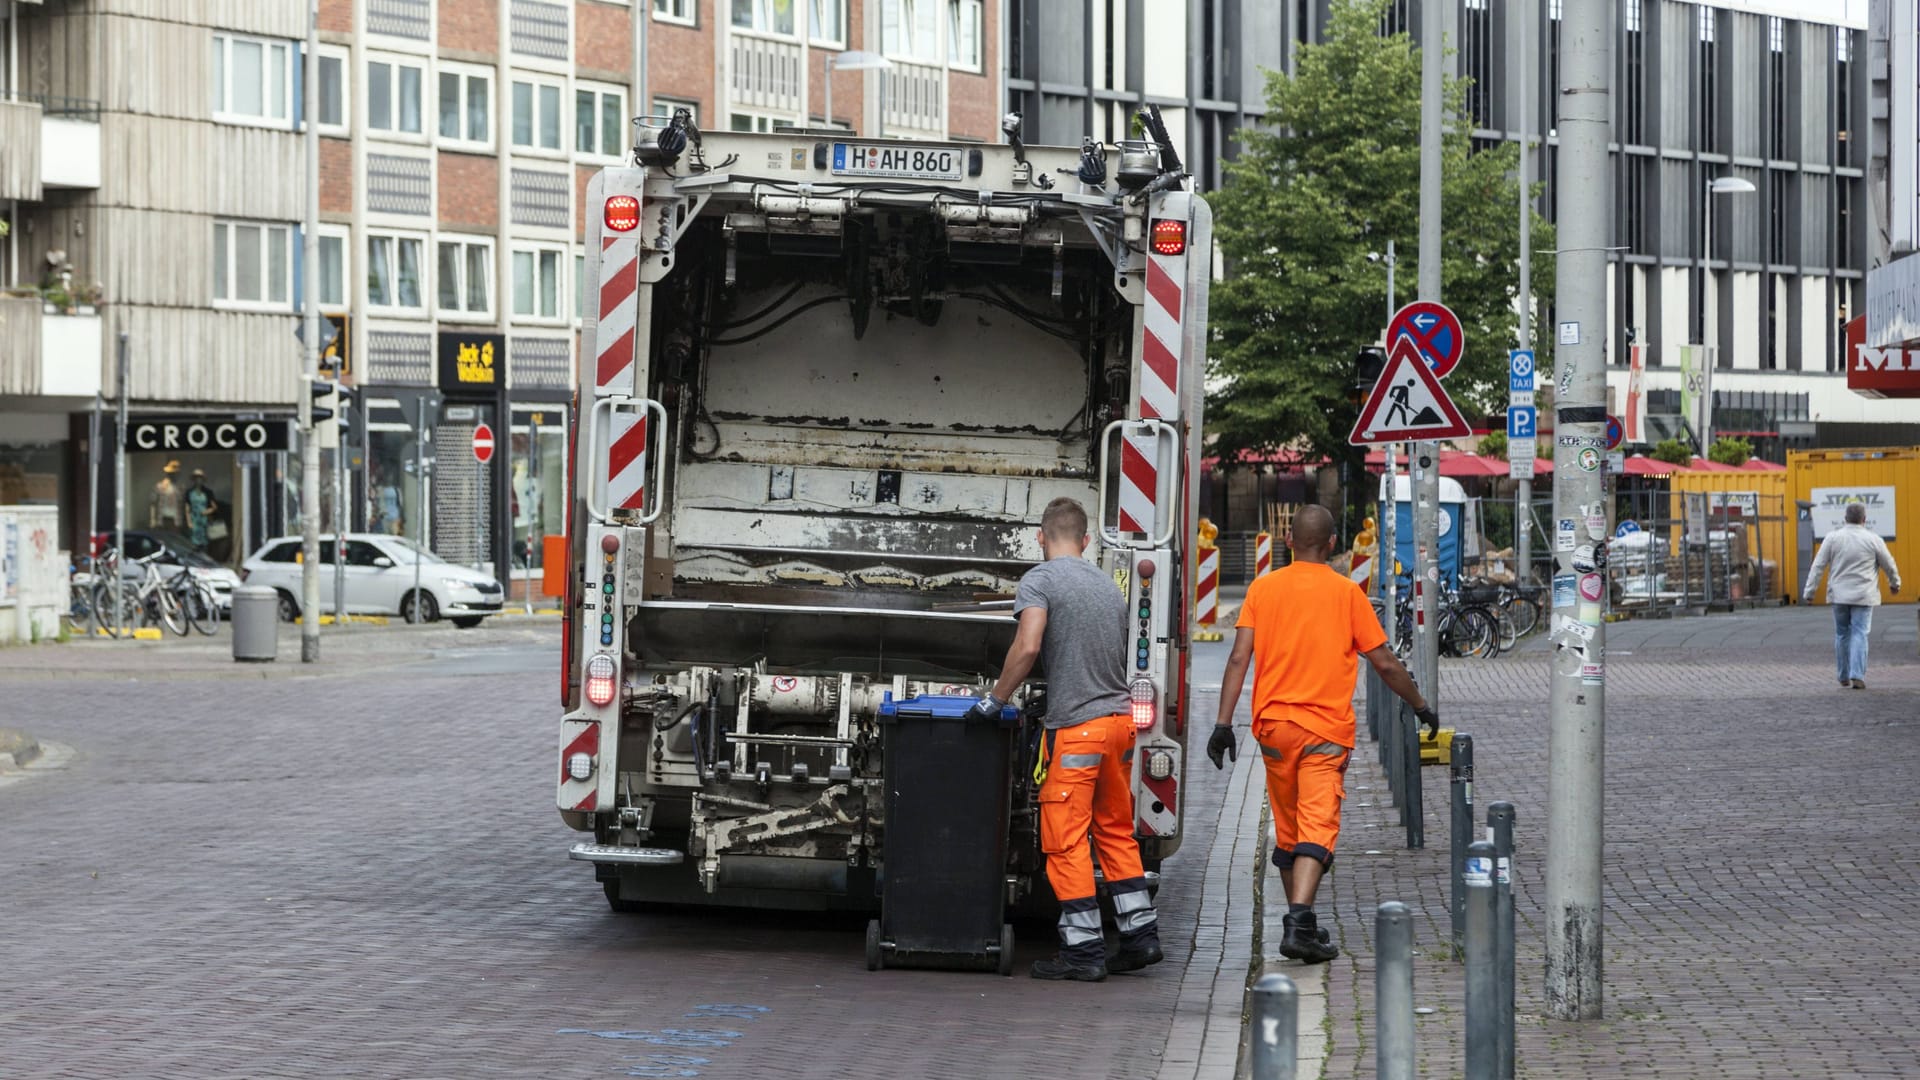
[[1891, 475], [1436, 749], [1768, 513]]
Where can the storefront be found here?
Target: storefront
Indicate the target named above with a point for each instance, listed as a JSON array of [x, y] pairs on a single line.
[[210, 479], [467, 524]]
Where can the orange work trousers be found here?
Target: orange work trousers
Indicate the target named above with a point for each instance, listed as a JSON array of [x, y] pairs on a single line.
[[1306, 782], [1089, 789]]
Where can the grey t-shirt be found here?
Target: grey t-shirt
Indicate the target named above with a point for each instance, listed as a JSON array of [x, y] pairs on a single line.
[[1085, 647]]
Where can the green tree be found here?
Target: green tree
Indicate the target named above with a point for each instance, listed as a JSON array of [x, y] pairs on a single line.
[[1730, 450], [1308, 208]]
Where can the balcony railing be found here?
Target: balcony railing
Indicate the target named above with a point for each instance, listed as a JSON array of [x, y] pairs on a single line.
[[916, 99], [19, 150], [42, 353], [765, 75], [70, 108]]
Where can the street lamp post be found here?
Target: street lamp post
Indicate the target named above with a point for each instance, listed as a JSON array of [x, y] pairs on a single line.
[[854, 60], [1719, 185]]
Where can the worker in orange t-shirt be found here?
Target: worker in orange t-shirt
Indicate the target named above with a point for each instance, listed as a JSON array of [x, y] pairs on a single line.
[[1301, 627]]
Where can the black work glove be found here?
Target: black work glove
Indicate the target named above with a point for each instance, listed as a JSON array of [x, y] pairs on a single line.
[[1431, 719], [1222, 745], [986, 710]]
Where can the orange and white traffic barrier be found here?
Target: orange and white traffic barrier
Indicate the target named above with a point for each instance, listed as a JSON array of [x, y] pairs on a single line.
[[1262, 553], [1206, 595]]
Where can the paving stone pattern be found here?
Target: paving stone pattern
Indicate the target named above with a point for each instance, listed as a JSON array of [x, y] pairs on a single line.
[[1762, 864], [358, 872]]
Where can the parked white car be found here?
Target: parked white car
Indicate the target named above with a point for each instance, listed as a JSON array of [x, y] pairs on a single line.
[[380, 580]]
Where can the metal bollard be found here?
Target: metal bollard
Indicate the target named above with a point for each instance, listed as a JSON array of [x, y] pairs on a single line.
[[1390, 757], [1275, 1029], [1483, 1005], [1410, 771], [1460, 772], [1500, 821], [1393, 991]]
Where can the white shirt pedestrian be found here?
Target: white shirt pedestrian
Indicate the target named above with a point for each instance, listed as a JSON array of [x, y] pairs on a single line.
[[1852, 557]]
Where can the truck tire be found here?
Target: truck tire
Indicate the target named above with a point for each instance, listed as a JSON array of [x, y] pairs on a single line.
[[875, 958], [623, 907]]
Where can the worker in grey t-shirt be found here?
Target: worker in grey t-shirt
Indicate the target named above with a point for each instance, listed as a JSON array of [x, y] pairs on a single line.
[[1074, 618], [1852, 557]]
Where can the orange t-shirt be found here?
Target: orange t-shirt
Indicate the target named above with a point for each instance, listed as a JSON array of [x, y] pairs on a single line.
[[1309, 622]]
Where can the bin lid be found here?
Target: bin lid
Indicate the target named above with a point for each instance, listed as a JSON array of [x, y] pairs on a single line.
[[936, 707]]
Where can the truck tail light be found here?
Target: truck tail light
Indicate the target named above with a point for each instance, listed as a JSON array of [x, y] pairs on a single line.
[[1142, 695], [602, 675], [1169, 237], [623, 213]]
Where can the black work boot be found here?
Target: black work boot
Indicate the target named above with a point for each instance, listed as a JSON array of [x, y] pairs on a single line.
[[1134, 955], [1302, 939], [1062, 967]]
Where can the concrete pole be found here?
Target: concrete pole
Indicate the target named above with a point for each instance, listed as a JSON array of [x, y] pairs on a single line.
[[310, 304], [1426, 455], [1576, 739], [120, 489], [1519, 40]]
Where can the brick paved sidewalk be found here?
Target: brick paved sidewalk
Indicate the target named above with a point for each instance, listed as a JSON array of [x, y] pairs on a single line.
[[1762, 870]]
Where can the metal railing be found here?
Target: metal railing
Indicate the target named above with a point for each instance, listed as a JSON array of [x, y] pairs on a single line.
[[66, 108]]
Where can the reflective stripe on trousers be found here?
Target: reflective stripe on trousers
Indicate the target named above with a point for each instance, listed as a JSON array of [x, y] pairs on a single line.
[[1132, 906], [1079, 923]]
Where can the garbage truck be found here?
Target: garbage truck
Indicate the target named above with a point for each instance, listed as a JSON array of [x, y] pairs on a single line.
[[826, 386]]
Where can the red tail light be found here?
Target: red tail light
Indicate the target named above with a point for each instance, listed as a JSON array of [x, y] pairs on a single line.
[[602, 676], [623, 213], [1142, 695], [1169, 237]]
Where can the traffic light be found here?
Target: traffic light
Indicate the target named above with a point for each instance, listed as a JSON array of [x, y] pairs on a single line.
[[1368, 363], [325, 411], [323, 399], [343, 411]]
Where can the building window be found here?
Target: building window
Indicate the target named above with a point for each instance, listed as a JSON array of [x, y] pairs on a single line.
[[466, 105], [759, 122], [393, 96], [332, 278], [910, 29], [764, 16], [579, 287], [664, 107], [827, 22], [252, 264], [536, 283], [599, 120], [252, 79], [396, 274], [963, 34], [330, 104], [465, 282], [536, 114], [676, 11]]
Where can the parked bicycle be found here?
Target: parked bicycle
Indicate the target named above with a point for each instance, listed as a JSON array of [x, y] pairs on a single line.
[[198, 604], [145, 603], [1463, 628]]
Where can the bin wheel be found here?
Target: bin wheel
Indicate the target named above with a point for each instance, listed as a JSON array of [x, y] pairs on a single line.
[[1006, 948], [875, 961]]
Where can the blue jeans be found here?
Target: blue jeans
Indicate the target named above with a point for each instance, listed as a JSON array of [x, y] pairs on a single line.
[[1851, 624]]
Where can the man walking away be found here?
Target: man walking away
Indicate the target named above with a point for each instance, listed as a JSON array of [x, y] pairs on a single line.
[[1301, 627], [1852, 557], [1072, 617]]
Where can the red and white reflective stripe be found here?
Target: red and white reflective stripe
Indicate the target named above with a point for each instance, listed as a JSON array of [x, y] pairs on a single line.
[[627, 461], [580, 794], [1419, 609], [1206, 591], [1160, 345], [619, 308], [1262, 553], [1139, 482]]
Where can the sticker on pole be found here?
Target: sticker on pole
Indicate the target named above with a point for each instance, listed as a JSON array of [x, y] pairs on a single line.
[[1434, 330], [1476, 870], [483, 444], [1407, 404]]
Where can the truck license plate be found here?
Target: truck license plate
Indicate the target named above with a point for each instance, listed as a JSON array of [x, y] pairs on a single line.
[[903, 160]]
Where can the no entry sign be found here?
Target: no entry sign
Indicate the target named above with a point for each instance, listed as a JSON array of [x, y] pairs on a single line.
[[483, 444]]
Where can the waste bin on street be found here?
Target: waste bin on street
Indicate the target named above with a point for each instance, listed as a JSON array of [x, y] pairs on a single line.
[[256, 623], [943, 896]]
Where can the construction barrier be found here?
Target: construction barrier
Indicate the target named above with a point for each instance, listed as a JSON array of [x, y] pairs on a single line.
[[1206, 595], [1262, 553]]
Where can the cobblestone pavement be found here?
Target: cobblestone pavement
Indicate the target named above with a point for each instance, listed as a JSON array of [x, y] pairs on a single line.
[[1762, 867], [356, 871]]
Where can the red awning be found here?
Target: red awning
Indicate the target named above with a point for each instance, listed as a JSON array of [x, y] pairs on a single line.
[[1757, 465], [1642, 465]]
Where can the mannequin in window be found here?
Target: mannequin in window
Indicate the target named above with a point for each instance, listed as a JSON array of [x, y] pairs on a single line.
[[201, 507], [164, 509]]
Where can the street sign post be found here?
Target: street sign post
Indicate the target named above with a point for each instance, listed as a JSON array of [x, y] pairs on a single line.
[[1407, 403], [1434, 330]]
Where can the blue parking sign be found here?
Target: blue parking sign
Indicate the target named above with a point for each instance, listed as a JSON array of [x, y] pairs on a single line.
[[1522, 422], [1519, 370]]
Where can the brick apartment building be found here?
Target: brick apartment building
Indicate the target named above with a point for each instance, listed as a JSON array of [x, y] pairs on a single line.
[[457, 139]]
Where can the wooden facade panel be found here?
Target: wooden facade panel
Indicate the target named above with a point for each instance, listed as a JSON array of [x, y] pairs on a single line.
[[215, 357], [268, 18], [19, 345], [157, 68], [164, 165], [57, 53], [19, 151]]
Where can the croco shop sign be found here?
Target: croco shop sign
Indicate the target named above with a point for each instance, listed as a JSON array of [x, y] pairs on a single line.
[[172, 434], [473, 361]]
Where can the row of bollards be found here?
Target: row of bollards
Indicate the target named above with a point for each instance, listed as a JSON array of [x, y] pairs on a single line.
[[1392, 724]]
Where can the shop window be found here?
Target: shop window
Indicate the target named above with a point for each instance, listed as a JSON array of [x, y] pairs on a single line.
[[536, 114], [537, 485], [393, 96], [252, 264], [599, 121], [536, 283], [252, 80], [465, 270], [396, 276], [466, 106]]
